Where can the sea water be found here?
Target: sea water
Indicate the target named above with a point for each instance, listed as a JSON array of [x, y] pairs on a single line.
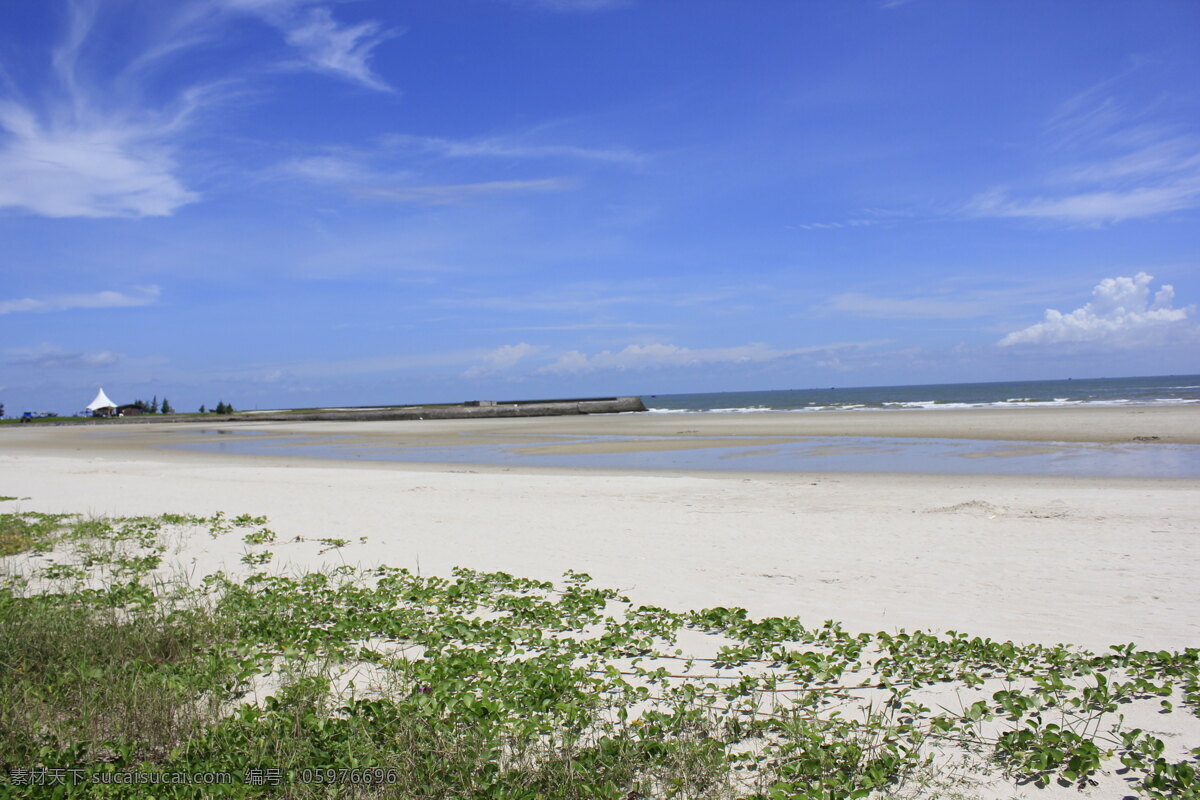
[[1160, 390]]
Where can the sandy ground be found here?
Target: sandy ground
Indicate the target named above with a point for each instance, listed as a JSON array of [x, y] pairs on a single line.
[[1087, 561], [1091, 562]]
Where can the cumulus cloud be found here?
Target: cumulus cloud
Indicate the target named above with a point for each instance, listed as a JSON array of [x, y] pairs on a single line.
[[140, 296], [502, 359], [1120, 314], [53, 357]]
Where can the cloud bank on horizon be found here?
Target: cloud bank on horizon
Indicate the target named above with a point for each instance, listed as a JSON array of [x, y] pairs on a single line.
[[300, 202]]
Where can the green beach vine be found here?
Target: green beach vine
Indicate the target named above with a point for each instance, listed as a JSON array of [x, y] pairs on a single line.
[[385, 683]]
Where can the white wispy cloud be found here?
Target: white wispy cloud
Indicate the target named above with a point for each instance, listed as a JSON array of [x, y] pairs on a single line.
[[383, 365], [87, 141], [864, 218], [656, 356], [54, 357], [502, 359], [87, 148], [590, 304], [453, 193], [1090, 114], [84, 150], [587, 326], [1115, 165], [94, 166], [954, 297], [387, 171], [825, 226], [1121, 314], [1151, 153], [360, 175], [139, 296], [573, 5], [337, 168], [510, 147], [398, 168], [1092, 208], [859, 304], [580, 298], [325, 44]]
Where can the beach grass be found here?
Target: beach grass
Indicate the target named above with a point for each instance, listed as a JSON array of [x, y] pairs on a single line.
[[385, 683]]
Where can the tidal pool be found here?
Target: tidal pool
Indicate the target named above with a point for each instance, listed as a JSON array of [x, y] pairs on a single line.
[[742, 454]]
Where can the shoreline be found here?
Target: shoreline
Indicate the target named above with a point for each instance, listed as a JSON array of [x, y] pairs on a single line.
[[1157, 443], [1175, 424], [1089, 561], [1098, 424]]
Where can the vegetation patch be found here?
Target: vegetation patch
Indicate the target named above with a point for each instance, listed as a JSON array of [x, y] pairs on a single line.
[[116, 680], [27, 532]]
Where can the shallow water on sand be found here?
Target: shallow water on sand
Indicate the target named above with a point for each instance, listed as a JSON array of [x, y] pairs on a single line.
[[732, 454]]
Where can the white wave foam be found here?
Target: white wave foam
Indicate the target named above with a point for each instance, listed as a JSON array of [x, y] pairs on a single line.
[[933, 405]]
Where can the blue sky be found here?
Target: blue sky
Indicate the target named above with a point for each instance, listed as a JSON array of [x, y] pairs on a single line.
[[310, 202]]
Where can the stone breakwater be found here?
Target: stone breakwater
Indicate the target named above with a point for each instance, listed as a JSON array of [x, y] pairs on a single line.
[[485, 409], [481, 409]]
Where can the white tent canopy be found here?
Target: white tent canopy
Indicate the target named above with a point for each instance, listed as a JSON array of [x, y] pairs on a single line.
[[101, 401]]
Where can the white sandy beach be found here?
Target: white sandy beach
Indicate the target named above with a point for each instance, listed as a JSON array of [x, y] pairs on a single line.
[[1087, 561]]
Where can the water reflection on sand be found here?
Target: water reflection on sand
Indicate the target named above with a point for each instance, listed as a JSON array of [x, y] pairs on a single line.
[[738, 454]]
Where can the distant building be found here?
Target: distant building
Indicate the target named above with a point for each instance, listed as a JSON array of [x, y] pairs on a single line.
[[130, 410], [102, 406]]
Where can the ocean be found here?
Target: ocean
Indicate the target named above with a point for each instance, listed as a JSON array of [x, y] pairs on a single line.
[[1154, 390]]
